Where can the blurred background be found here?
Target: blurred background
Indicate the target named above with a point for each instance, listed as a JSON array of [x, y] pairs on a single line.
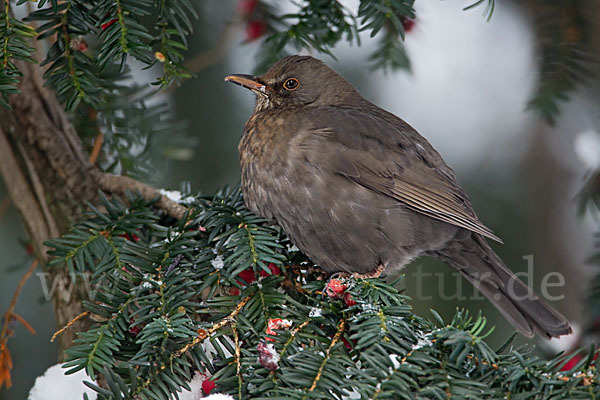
[[467, 93]]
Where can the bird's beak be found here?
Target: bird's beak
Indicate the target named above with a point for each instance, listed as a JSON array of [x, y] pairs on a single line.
[[248, 81]]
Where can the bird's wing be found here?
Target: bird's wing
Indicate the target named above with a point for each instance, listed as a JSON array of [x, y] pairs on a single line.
[[384, 154]]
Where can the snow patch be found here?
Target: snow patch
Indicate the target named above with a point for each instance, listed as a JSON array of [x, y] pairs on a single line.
[[422, 342], [315, 312], [219, 396], [292, 248], [218, 262], [176, 196], [196, 386], [395, 361], [55, 385]]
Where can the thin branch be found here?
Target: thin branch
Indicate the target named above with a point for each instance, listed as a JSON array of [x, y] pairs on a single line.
[[93, 114], [335, 339], [204, 333], [8, 315], [116, 184], [97, 147], [238, 361], [68, 325], [292, 336], [22, 321]]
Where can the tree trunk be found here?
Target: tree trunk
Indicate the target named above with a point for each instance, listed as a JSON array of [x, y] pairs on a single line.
[[49, 179]]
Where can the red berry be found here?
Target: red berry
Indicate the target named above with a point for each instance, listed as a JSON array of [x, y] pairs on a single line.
[[272, 324], [574, 360], [208, 386], [29, 248], [109, 23], [571, 363], [276, 323], [134, 330], [255, 29], [78, 43], [160, 57], [275, 270], [408, 24], [335, 288], [268, 356], [248, 276], [132, 238], [349, 300], [346, 343], [247, 7]]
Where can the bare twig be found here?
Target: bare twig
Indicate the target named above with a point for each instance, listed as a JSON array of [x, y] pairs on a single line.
[[120, 184], [238, 361], [22, 321], [5, 332], [97, 147], [8, 315], [68, 325], [204, 333], [93, 115]]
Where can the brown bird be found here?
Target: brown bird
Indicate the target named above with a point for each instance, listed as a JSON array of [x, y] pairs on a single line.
[[359, 191]]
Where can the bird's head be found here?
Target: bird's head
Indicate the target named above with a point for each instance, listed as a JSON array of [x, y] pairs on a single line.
[[297, 81]]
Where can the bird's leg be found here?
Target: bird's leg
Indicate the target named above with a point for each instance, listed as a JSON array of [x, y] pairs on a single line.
[[331, 287], [339, 275], [373, 274]]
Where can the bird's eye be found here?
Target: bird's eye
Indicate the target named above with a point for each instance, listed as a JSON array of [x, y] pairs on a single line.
[[291, 84]]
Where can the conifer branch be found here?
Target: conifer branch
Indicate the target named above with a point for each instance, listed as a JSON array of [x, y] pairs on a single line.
[[336, 338]]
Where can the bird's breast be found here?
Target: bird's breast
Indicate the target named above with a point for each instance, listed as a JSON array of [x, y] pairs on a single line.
[[263, 160]]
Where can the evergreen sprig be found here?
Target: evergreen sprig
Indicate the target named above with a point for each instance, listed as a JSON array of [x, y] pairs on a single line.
[[92, 82], [120, 27], [14, 45], [72, 73], [564, 34], [378, 15], [320, 25], [174, 25], [223, 294], [137, 137]]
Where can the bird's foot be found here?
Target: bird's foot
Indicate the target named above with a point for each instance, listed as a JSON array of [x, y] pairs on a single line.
[[376, 273]]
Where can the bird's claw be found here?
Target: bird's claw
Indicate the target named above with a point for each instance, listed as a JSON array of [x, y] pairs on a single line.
[[376, 273]]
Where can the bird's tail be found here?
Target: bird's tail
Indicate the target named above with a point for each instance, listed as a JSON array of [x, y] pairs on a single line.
[[477, 262]]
